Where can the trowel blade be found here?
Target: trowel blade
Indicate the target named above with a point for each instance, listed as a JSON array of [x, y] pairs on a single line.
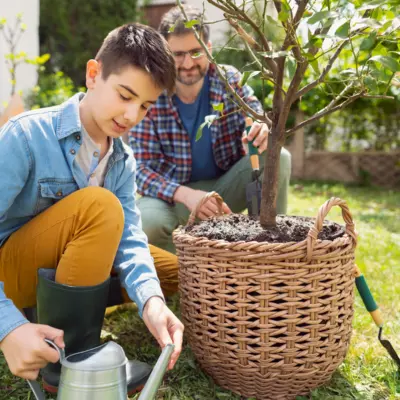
[[253, 198]]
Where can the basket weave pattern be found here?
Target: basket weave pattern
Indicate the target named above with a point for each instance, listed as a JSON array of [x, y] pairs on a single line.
[[268, 320]]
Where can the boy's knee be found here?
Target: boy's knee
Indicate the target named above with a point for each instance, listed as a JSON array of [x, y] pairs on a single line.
[[104, 203]]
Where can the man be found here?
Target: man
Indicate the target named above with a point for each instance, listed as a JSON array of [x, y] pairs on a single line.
[[68, 213], [174, 170]]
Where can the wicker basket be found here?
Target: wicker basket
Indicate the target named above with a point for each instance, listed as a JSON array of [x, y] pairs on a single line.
[[268, 320]]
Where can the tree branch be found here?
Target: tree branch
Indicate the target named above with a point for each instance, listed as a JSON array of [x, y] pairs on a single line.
[[246, 18], [239, 100], [320, 79], [324, 112], [251, 42]]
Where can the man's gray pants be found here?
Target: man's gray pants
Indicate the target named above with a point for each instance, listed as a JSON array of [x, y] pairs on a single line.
[[160, 218]]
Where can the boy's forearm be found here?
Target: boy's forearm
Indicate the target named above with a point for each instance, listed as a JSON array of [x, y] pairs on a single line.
[[10, 316]]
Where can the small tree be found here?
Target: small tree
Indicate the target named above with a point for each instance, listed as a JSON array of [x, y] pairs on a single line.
[[293, 45], [12, 35]]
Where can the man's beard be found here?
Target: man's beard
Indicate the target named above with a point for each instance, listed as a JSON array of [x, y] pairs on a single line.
[[191, 80]]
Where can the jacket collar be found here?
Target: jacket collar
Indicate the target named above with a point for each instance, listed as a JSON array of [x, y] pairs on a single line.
[[69, 122]]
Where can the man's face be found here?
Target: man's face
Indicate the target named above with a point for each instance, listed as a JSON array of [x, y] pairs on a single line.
[[121, 101], [190, 59]]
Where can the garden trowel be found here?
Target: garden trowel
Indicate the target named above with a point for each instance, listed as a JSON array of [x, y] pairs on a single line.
[[253, 189], [376, 314]]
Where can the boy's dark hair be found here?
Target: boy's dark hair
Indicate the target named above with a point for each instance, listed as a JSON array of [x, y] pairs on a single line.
[[138, 46], [173, 22]]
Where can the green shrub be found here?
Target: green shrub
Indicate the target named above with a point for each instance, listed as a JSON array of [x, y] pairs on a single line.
[[73, 30], [52, 89]]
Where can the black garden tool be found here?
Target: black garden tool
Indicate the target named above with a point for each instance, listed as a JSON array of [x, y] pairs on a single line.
[[376, 314], [253, 189]]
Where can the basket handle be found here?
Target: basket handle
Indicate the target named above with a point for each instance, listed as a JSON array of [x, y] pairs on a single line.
[[206, 197], [319, 220]]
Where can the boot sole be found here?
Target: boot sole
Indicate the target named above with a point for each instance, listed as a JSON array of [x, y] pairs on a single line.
[[54, 389]]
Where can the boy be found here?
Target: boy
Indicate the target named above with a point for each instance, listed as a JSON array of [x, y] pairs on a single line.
[[68, 213]]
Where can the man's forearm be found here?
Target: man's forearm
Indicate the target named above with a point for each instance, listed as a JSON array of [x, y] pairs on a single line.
[[181, 194]]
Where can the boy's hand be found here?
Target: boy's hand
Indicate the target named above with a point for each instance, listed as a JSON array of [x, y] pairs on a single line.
[[191, 197], [26, 351], [164, 326]]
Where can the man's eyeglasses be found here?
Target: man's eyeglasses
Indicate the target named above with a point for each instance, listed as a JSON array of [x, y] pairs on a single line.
[[193, 54]]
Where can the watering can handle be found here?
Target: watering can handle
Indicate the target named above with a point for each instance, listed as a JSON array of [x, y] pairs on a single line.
[[34, 385], [37, 392], [153, 383], [61, 351]]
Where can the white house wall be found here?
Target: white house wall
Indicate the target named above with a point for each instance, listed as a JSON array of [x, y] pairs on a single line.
[[26, 74]]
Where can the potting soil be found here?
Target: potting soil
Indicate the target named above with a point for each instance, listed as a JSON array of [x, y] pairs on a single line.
[[240, 227]]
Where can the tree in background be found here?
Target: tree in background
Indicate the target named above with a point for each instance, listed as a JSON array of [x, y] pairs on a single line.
[[293, 46], [12, 34], [72, 30]]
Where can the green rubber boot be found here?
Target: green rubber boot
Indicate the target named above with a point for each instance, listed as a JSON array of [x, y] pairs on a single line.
[[79, 312]]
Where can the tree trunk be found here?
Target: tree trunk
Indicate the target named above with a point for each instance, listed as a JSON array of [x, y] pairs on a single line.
[[270, 181]]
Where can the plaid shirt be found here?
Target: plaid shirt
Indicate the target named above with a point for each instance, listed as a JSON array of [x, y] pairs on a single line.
[[162, 145]]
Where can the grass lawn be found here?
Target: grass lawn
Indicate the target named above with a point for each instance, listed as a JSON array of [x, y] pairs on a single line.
[[367, 372]]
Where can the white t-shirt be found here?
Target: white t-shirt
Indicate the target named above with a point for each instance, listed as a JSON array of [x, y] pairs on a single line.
[[88, 159]]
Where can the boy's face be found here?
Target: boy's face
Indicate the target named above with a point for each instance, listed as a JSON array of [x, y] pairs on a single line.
[[122, 100]]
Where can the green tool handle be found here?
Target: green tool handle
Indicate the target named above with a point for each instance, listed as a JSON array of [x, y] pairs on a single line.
[[252, 149], [368, 298]]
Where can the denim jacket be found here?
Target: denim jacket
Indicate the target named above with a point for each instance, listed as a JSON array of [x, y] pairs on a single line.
[[37, 168]]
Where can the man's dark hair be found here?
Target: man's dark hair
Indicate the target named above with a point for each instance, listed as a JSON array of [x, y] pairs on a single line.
[[173, 22], [138, 46]]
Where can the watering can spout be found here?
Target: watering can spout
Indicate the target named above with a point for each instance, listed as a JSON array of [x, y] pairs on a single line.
[[100, 373]]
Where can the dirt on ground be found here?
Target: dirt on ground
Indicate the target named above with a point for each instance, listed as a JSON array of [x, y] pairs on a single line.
[[239, 227]]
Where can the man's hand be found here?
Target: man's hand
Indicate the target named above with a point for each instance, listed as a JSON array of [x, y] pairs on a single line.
[[191, 197], [258, 132], [26, 351], [164, 326]]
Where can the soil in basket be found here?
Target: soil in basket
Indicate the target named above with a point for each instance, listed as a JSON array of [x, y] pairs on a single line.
[[239, 227]]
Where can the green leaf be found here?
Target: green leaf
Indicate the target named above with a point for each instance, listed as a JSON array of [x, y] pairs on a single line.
[[291, 67], [209, 119], [320, 15], [371, 5], [172, 28], [343, 30], [23, 26], [369, 42], [192, 23], [367, 23], [218, 107], [283, 16], [349, 71], [315, 66], [371, 84], [387, 62], [248, 75], [314, 42]]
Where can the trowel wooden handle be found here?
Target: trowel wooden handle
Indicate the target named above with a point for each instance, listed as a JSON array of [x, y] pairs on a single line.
[[368, 298], [253, 151]]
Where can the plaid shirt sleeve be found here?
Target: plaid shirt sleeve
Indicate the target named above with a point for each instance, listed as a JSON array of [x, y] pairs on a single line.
[[144, 141]]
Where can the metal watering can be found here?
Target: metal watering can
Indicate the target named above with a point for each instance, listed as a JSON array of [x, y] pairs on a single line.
[[100, 374]]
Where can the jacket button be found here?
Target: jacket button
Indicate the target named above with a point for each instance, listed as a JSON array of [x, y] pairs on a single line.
[[96, 153], [59, 193], [72, 151], [77, 137]]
